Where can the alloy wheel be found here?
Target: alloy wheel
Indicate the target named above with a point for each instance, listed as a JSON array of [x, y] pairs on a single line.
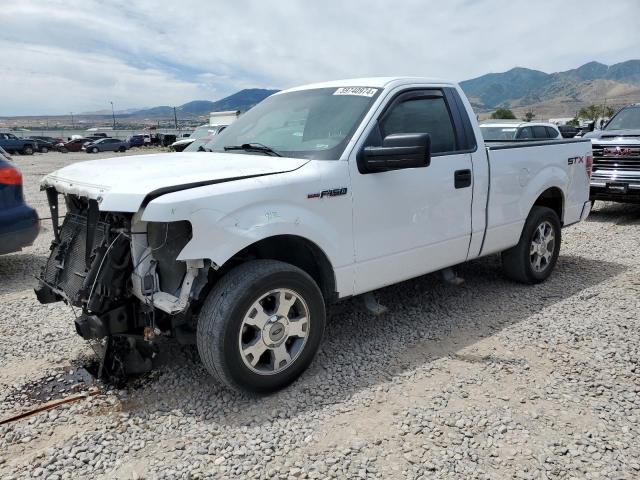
[[274, 331], [542, 246]]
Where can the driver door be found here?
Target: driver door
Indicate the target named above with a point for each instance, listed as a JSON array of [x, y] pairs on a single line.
[[412, 221]]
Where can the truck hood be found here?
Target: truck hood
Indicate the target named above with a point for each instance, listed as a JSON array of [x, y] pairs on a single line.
[[610, 135], [122, 184]]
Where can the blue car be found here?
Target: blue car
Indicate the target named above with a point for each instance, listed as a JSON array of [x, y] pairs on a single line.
[[136, 141], [19, 223]]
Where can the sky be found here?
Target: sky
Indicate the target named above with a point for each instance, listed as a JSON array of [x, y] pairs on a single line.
[[61, 56]]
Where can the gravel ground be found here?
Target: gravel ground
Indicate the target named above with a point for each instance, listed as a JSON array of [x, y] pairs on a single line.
[[486, 380]]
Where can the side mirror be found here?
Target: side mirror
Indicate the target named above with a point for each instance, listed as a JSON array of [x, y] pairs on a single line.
[[400, 150]]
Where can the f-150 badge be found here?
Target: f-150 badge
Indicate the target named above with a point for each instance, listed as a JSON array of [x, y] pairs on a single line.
[[336, 192]]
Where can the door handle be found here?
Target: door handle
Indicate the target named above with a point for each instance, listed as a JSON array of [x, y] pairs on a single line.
[[462, 178]]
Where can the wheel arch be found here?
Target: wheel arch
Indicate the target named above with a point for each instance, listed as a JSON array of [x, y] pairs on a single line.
[[552, 198], [292, 249]]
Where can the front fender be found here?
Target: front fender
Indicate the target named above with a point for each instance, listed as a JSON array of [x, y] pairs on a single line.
[[218, 236], [228, 217]]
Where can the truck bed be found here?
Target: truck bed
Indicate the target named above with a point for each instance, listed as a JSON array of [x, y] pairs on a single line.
[[519, 172]]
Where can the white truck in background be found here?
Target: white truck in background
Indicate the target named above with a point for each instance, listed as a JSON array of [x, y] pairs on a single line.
[[218, 121], [316, 194]]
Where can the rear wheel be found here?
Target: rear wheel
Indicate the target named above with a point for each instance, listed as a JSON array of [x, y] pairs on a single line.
[[27, 150], [122, 149], [532, 260], [261, 326]]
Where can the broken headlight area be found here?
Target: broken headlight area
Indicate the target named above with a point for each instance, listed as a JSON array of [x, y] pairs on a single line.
[[90, 262], [122, 273]]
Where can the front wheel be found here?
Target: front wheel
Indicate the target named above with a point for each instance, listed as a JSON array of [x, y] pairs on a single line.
[[261, 326], [95, 150], [532, 260], [122, 149], [27, 150], [44, 149]]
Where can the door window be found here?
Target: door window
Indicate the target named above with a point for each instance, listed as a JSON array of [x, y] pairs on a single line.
[[551, 133], [422, 115], [540, 132], [525, 133]]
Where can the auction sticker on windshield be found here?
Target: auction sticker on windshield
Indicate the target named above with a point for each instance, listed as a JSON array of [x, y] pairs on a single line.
[[361, 91]]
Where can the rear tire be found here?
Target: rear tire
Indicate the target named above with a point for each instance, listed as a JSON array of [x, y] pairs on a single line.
[[532, 260], [122, 149], [245, 340], [27, 150]]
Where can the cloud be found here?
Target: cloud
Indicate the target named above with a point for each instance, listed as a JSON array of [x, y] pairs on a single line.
[[77, 55]]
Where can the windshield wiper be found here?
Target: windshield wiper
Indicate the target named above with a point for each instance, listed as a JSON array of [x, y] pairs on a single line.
[[253, 147]]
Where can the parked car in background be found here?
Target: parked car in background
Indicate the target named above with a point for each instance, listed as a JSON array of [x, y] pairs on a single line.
[[106, 145], [180, 145], [136, 141], [616, 157], [200, 144], [218, 121], [19, 223], [52, 140], [506, 130], [13, 144], [568, 131], [92, 139], [166, 139], [43, 146], [74, 145]]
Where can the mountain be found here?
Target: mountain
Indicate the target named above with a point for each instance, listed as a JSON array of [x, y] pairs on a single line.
[[242, 100], [556, 93]]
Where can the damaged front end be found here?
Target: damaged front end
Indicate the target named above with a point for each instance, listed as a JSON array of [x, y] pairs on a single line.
[[124, 275]]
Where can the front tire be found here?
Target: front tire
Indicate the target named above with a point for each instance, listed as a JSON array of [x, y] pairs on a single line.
[[532, 260], [44, 149], [261, 326], [95, 150], [27, 150]]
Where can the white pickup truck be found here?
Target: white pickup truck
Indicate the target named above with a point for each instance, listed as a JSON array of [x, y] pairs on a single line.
[[318, 193]]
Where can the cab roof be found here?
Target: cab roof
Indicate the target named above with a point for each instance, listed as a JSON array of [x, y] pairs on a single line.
[[375, 82]]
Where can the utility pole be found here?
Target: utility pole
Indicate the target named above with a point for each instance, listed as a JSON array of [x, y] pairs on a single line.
[[72, 125], [113, 113], [175, 117]]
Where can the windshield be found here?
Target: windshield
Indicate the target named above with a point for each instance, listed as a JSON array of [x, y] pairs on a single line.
[[203, 135], [314, 123], [498, 133], [626, 119]]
